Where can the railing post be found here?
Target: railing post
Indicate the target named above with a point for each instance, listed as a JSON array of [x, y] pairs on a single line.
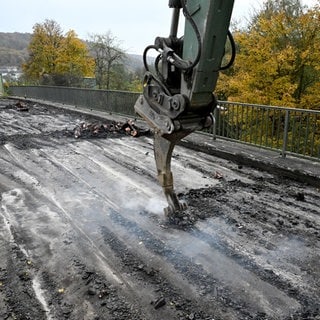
[[214, 125], [285, 134], [1, 86]]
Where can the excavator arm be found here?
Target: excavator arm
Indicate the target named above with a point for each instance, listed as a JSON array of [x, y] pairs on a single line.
[[178, 90]]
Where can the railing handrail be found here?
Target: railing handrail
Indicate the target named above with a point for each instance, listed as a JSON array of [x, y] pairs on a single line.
[[221, 102], [72, 88], [286, 129]]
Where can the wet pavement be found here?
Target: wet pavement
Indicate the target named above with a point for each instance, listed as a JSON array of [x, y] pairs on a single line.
[[83, 235]]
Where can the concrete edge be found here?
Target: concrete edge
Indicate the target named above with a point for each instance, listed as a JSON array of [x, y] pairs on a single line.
[[288, 167]]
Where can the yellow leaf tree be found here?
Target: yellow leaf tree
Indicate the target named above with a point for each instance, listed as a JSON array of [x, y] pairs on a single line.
[[278, 58], [43, 49], [56, 59], [73, 61]]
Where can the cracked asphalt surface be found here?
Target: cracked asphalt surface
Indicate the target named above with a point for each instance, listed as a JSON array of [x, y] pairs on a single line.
[[83, 236]]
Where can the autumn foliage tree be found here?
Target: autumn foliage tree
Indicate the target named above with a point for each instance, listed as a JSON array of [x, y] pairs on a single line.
[[55, 58], [277, 64], [278, 60]]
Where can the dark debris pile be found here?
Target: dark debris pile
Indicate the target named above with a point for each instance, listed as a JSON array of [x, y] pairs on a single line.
[[101, 130], [19, 106]]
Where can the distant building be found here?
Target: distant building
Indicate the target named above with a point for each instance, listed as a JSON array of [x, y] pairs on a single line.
[[10, 73]]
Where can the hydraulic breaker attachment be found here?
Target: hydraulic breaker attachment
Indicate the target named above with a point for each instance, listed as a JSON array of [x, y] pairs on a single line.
[[163, 147], [167, 133], [178, 94]]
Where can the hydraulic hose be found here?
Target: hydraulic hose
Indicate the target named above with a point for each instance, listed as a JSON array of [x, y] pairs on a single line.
[[198, 36], [145, 53], [233, 52]]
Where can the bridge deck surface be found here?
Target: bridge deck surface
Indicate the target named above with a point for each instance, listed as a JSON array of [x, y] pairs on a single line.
[[82, 234]]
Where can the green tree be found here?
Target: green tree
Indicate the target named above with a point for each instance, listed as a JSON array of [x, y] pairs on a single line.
[[55, 58], [108, 55]]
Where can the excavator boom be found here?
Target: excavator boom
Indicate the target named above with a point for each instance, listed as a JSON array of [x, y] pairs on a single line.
[[178, 94]]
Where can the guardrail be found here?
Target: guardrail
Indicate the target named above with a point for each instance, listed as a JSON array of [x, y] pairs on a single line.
[[288, 130], [120, 102]]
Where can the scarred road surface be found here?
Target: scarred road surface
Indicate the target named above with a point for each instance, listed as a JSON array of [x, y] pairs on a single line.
[[83, 236]]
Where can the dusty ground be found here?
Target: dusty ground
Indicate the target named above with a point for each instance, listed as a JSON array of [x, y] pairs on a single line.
[[82, 234]]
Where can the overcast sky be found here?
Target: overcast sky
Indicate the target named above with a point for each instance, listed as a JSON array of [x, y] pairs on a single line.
[[134, 23]]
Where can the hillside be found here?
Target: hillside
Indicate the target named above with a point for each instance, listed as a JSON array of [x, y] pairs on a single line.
[[13, 51], [13, 48]]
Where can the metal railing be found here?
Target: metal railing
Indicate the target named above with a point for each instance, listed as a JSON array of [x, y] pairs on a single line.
[[289, 130], [120, 102]]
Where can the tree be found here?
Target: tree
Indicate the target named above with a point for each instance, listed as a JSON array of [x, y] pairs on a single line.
[[108, 55], [43, 49], [278, 57], [277, 64], [73, 62], [55, 58]]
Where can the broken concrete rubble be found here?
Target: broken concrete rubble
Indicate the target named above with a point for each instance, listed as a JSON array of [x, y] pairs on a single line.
[[101, 130], [19, 106]]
